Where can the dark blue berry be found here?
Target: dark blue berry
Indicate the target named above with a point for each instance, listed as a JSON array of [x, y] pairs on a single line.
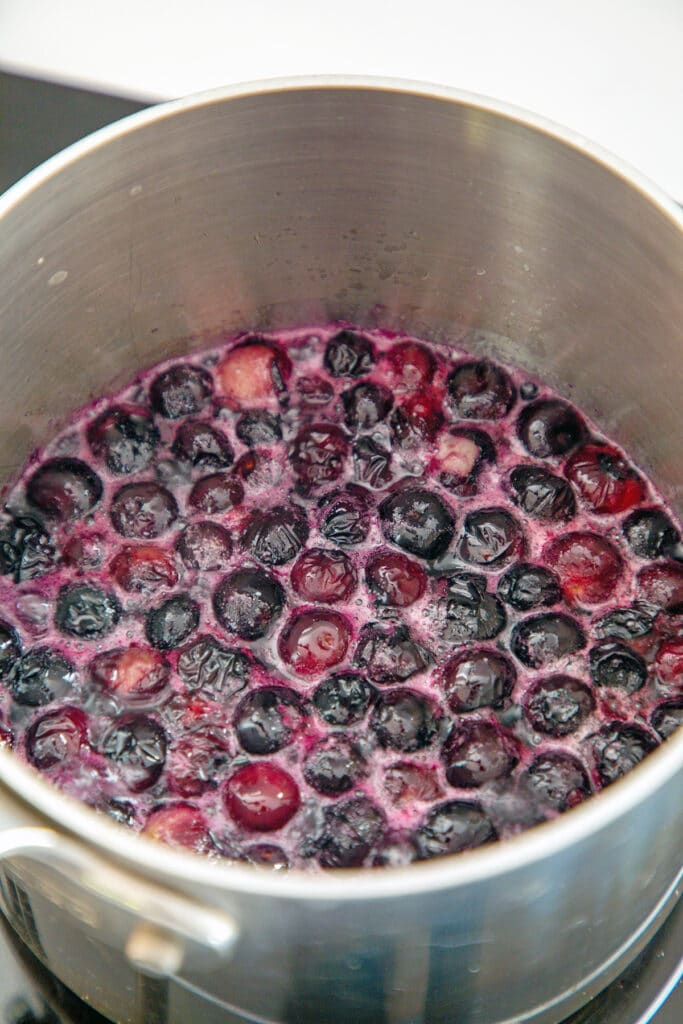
[[491, 536], [477, 752], [10, 648], [614, 664], [371, 463], [558, 704], [257, 427], [349, 354], [542, 494], [620, 748], [347, 519], [136, 745], [478, 678], [352, 828], [404, 720], [218, 672], [471, 612], [557, 781], [205, 545], [318, 454], [126, 437], [624, 624], [26, 550], [526, 586], [650, 533], [388, 654], [169, 625], [417, 521], [275, 536], [248, 602], [86, 611], [667, 718], [543, 639], [452, 827], [40, 676], [344, 698], [333, 766], [182, 390], [479, 390], [202, 445], [64, 489], [366, 405], [267, 855], [268, 719], [528, 390], [550, 427], [143, 510], [217, 492]]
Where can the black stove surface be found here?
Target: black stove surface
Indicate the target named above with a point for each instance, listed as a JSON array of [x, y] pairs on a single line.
[[38, 119]]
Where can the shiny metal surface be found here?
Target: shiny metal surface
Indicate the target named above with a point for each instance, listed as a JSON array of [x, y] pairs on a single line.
[[422, 210]]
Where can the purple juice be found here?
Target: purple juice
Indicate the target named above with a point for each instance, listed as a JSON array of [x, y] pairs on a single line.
[[333, 598]]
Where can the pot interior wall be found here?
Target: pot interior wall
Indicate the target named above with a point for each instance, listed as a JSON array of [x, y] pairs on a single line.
[[376, 206]]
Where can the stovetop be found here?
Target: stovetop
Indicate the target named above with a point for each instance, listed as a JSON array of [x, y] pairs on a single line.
[[38, 119]]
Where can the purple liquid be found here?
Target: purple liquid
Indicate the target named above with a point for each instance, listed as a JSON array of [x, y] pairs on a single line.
[[470, 696]]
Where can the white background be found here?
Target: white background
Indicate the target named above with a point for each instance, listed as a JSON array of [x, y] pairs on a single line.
[[610, 69]]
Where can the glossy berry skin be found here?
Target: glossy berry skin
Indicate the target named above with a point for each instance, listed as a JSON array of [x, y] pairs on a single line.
[[371, 463], [268, 719], [196, 761], [10, 648], [181, 825], [366, 405], [650, 533], [262, 797], [479, 390], [667, 718], [477, 678], [619, 749], [56, 738], [143, 569], [84, 552], [143, 511], [549, 427], [275, 536], [314, 640], [182, 390], [26, 551], [136, 674], [248, 602], [490, 537], [394, 579], [40, 676], [202, 446], [352, 828], [452, 827], [390, 654], [613, 664], [258, 426], [344, 698], [605, 481], [349, 354], [557, 705], [267, 855], [86, 611], [252, 372], [668, 667], [542, 495], [418, 521], [136, 747], [624, 624], [217, 671], [215, 493], [333, 766], [661, 586], [170, 624], [476, 752], [125, 437], [412, 365], [542, 640], [318, 454], [588, 566], [64, 489], [323, 576], [406, 782], [314, 391], [346, 518], [205, 545], [416, 420], [557, 781], [525, 586], [404, 720], [471, 613]]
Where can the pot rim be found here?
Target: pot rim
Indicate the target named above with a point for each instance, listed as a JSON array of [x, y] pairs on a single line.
[[499, 858]]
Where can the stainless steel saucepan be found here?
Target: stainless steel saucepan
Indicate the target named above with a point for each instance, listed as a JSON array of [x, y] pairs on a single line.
[[421, 209]]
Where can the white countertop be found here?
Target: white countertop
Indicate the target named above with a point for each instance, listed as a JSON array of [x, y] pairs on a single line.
[[610, 69]]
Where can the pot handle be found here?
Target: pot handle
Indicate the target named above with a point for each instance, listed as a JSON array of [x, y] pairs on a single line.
[[159, 929]]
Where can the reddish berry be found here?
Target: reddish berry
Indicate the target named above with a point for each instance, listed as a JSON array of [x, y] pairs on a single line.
[[318, 454], [395, 579], [64, 489], [253, 371], [143, 510], [411, 364], [134, 673], [195, 759], [56, 737], [314, 640], [262, 796], [588, 566], [417, 419], [206, 546], [323, 576], [662, 586], [143, 568], [669, 668], [179, 825], [216, 493], [406, 782], [606, 482]]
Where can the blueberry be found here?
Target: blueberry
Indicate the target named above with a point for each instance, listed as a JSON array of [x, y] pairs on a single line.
[[169, 625], [136, 745], [349, 354], [318, 454], [650, 533], [202, 445], [10, 648], [275, 536], [126, 437], [143, 510], [557, 705], [480, 391], [452, 827], [528, 390], [526, 586], [344, 698], [182, 390], [268, 719], [267, 855], [389, 654], [218, 672], [417, 420], [371, 463], [557, 780], [543, 639], [40, 676], [64, 489], [56, 738], [478, 678], [620, 748], [491, 536], [624, 624], [258, 426], [550, 427], [86, 611], [394, 579], [404, 720], [346, 520], [471, 613], [315, 391], [614, 664], [542, 494], [476, 753], [667, 718], [366, 405], [606, 482], [204, 545], [26, 550], [122, 811], [417, 521], [323, 576], [333, 766], [352, 828], [248, 602], [217, 492]]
